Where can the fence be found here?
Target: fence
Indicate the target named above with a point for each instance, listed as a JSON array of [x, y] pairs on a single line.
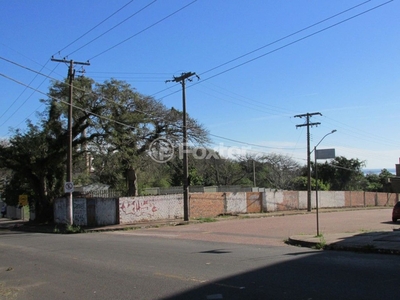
[[202, 189], [110, 193]]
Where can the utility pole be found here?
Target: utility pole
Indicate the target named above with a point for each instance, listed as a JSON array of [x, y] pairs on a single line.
[[254, 173], [71, 75], [308, 124], [182, 79]]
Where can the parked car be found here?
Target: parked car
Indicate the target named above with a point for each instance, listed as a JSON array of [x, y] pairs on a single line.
[[396, 212]]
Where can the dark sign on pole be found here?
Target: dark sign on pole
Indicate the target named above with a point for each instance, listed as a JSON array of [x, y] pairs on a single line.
[[324, 153]]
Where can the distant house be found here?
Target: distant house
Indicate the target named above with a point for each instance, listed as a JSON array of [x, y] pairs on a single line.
[[395, 180]]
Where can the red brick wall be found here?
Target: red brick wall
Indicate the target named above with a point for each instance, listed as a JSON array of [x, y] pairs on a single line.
[[388, 199], [356, 198], [214, 204], [347, 199], [254, 202], [370, 198], [206, 205]]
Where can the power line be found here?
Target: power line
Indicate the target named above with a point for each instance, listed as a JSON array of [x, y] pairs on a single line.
[[76, 88], [124, 124], [90, 30], [254, 106], [269, 44], [148, 27], [147, 113], [26, 100], [47, 76], [129, 126], [19, 96], [296, 41], [131, 16], [65, 102], [285, 37], [363, 133], [250, 144], [282, 47]]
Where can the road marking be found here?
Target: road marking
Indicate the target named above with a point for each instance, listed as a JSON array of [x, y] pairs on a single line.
[[146, 234], [182, 278], [214, 297], [229, 286]]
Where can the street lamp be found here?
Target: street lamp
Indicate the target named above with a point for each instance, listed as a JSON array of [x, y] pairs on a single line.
[[316, 175]]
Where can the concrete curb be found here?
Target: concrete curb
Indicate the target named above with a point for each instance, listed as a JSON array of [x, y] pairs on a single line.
[[304, 243], [372, 242]]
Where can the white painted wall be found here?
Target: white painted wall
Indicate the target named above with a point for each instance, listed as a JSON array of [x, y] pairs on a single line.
[[303, 196], [272, 198], [150, 208], [331, 199], [236, 203]]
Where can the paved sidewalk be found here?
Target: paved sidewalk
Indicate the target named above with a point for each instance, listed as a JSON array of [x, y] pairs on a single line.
[[376, 240], [387, 242]]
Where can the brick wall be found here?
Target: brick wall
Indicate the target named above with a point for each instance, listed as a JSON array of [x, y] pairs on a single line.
[[254, 202], [205, 205]]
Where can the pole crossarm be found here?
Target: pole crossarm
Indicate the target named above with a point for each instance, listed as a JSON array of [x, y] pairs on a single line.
[[183, 77], [86, 63], [308, 115], [309, 124]]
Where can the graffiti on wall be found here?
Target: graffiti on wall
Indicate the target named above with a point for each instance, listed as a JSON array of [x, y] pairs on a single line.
[[139, 207]]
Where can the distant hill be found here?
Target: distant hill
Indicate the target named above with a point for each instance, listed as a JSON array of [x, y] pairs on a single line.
[[378, 171]]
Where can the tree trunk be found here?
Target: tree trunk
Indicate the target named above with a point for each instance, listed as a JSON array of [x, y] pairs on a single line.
[[132, 183]]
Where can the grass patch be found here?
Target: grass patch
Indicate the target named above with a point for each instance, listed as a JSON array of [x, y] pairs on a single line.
[[73, 229], [206, 220], [365, 230], [68, 229], [322, 242]]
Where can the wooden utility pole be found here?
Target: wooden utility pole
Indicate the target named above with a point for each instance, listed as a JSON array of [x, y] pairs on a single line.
[[71, 75], [182, 79], [308, 124]]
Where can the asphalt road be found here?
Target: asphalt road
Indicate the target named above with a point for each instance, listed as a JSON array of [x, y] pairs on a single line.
[[233, 259]]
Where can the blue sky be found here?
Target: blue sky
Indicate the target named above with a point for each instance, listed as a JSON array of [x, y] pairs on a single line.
[[260, 63]]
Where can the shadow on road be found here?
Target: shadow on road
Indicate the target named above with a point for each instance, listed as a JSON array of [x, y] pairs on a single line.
[[316, 275]]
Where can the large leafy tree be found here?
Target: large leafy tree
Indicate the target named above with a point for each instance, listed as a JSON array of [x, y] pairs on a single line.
[[113, 126], [280, 171], [342, 174], [119, 125], [36, 158], [378, 183]]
